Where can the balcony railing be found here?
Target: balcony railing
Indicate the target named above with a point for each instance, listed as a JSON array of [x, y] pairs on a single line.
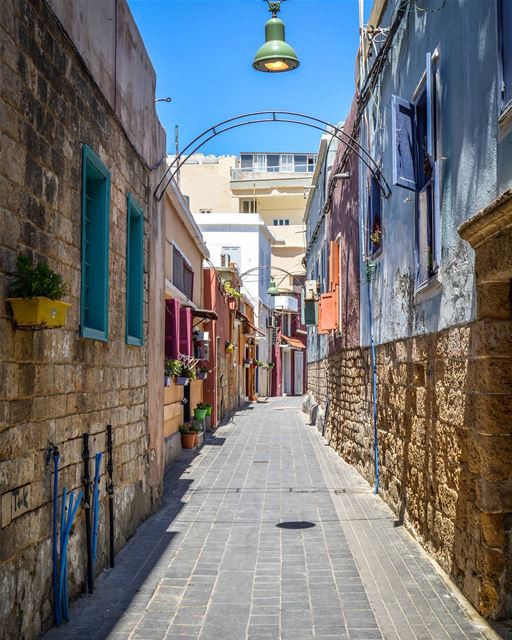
[[249, 172]]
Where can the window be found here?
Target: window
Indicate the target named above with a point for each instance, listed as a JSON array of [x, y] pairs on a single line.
[[505, 40], [374, 217], [246, 162], [287, 163], [95, 247], [273, 162], [205, 210], [134, 273], [300, 164], [311, 164], [248, 205], [233, 253], [280, 222], [415, 167], [182, 274], [260, 163]]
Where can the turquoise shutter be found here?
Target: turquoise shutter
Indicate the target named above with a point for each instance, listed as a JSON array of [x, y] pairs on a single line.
[[134, 273], [95, 247]]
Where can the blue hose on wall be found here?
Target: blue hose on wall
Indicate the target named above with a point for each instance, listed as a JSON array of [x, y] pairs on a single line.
[[374, 387]]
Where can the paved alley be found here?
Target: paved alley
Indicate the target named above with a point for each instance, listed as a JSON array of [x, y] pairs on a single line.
[[268, 534]]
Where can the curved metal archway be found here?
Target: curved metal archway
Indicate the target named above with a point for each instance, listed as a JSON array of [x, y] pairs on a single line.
[[270, 116]]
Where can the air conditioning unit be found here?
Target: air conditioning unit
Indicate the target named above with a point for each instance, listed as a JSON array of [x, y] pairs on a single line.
[[271, 322], [310, 290]]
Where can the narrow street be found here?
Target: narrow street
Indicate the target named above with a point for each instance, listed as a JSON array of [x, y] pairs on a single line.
[[267, 533]]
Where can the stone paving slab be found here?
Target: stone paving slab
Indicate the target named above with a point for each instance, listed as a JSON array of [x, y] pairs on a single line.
[[268, 535]]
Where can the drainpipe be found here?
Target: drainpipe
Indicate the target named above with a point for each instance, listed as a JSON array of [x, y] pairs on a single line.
[[374, 381]]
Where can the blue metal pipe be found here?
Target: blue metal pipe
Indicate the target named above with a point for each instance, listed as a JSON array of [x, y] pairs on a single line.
[[67, 524], [56, 599], [374, 389]]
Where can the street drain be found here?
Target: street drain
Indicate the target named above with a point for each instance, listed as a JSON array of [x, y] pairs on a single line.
[[301, 524]]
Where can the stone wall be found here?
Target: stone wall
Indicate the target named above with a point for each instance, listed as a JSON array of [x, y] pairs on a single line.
[[54, 385], [445, 454]]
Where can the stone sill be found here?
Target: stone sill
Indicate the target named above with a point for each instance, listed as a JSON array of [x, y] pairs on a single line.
[[428, 289]]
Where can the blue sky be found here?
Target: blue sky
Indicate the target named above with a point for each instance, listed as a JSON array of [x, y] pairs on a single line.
[[202, 52]]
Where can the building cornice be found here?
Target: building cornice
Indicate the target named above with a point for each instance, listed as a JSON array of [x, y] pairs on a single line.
[[488, 222]]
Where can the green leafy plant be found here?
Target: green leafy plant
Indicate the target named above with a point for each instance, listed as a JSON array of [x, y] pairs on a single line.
[[172, 368], [258, 363], [230, 290], [203, 369], [187, 428], [270, 365], [36, 279], [188, 368], [376, 235], [203, 405]]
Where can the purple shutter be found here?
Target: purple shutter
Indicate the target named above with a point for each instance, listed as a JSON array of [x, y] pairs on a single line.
[[172, 328], [185, 341], [402, 121]]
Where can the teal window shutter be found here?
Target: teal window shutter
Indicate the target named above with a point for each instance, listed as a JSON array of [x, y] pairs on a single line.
[[134, 273], [95, 247]]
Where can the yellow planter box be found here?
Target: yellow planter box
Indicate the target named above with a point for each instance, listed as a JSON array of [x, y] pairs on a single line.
[[39, 312]]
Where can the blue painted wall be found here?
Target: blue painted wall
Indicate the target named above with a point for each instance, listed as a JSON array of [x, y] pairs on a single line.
[[476, 163]]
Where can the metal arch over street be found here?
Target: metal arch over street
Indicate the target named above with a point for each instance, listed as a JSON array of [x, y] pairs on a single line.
[[255, 117]]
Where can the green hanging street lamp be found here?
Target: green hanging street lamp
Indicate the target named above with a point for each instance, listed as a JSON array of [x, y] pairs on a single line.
[[276, 55], [272, 288]]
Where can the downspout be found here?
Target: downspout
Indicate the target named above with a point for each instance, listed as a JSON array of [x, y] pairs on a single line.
[[374, 381]]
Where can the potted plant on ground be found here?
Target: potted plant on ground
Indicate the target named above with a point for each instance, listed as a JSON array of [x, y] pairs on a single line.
[[200, 412], [208, 408], [202, 373], [35, 295], [171, 369], [188, 435]]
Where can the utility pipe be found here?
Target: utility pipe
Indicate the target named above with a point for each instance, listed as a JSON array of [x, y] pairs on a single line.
[[374, 387]]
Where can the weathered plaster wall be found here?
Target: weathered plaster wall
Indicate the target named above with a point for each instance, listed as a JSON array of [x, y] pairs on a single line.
[[474, 170], [54, 385]]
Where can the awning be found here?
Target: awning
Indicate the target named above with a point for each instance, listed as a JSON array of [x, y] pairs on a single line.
[[207, 314], [293, 342], [246, 320]]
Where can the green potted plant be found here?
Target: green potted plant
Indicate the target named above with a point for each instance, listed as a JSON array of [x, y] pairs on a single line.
[[376, 235], [206, 406], [171, 369], [188, 435], [187, 371], [202, 373], [258, 363], [199, 413], [35, 295], [269, 365]]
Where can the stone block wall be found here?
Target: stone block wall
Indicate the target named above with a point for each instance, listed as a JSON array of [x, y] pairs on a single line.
[[445, 454], [55, 385]]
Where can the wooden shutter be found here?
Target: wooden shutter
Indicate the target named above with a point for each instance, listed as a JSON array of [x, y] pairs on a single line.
[[172, 328], [328, 312], [403, 135], [185, 339], [334, 264]]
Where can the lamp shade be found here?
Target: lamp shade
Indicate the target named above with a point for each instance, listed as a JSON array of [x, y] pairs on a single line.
[[276, 55], [272, 288]]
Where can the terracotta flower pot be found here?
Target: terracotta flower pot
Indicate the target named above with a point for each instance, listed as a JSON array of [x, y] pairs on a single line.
[[188, 440]]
